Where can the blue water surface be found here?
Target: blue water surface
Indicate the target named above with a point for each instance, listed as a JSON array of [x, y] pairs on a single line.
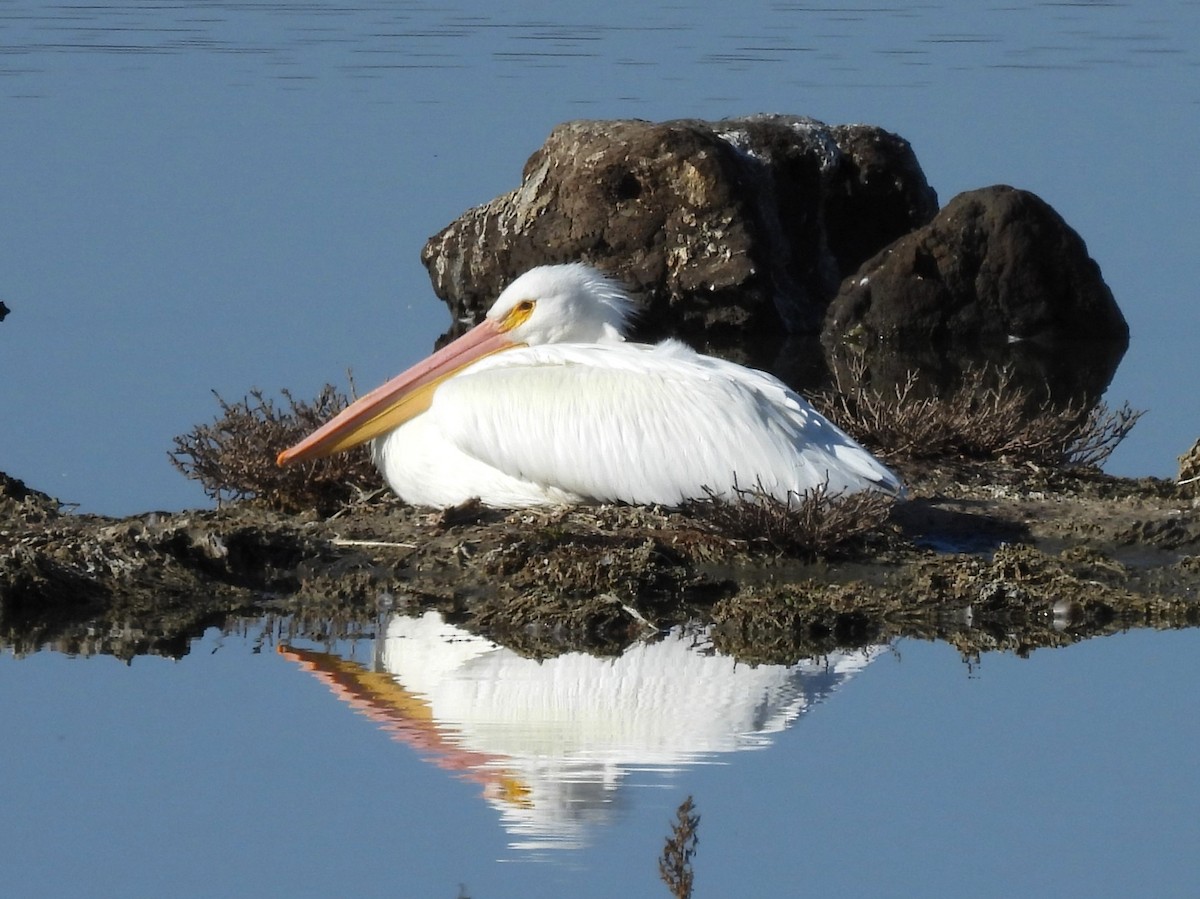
[[230, 195], [224, 196], [235, 773]]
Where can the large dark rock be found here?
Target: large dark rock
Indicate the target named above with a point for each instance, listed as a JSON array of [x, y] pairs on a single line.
[[995, 266], [730, 234], [996, 279]]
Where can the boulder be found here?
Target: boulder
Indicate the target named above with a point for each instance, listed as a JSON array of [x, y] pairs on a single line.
[[997, 279], [730, 234], [997, 265]]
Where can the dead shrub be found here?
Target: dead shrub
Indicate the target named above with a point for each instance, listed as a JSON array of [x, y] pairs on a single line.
[[810, 524], [234, 457], [986, 417], [1099, 434]]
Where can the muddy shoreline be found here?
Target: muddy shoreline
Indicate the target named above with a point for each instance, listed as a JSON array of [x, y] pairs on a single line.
[[984, 557]]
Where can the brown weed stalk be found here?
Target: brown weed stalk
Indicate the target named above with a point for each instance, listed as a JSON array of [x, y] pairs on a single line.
[[675, 863], [234, 457]]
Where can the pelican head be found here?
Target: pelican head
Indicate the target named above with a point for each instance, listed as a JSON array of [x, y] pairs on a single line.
[[570, 303]]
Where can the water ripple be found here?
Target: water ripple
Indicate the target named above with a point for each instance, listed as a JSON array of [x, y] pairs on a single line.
[[1063, 34]]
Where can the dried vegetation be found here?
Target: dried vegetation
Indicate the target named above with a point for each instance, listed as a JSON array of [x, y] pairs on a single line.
[[234, 457], [987, 417], [814, 524]]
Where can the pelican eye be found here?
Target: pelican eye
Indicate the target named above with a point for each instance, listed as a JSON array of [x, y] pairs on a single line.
[[518, 314]]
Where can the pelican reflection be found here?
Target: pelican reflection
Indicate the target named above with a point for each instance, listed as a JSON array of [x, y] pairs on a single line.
[[552, 740]]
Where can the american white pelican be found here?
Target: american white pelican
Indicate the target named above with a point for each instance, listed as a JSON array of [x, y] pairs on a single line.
[[570, 413]]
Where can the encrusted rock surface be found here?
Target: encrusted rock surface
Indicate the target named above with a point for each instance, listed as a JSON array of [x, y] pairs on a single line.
[[1189, 469], [730, 234], [749, 237]]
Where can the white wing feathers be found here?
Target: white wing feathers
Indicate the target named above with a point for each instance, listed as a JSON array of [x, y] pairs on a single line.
[[644, 425]]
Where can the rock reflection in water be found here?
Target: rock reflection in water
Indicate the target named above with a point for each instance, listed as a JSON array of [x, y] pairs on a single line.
[[552, 740]]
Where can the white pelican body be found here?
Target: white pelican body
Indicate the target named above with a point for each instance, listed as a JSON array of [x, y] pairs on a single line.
[[570, 413]]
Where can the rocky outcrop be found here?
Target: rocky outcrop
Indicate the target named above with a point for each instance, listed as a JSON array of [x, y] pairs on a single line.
[[749, 237], [1189, 468], [996, 279], [730, 234], [997, 265], [19, 501]]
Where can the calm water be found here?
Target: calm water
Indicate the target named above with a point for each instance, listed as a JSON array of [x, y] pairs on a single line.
[[414, 766], [230, 195]]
